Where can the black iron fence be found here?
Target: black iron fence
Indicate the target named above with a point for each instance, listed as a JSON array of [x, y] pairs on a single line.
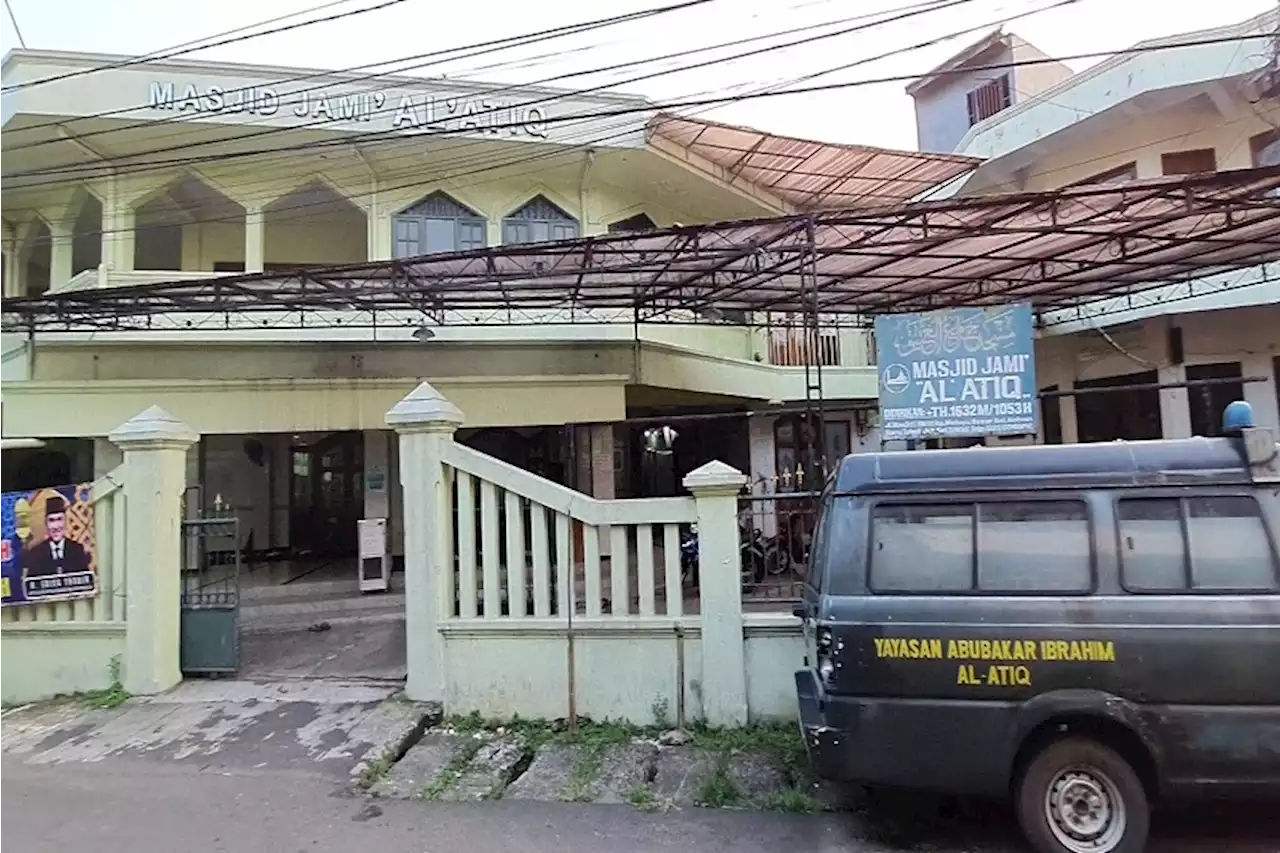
[[776, 530]]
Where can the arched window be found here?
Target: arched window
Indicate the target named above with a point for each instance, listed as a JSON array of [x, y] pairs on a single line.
[[637, 224], [539, 221], [437, 224]]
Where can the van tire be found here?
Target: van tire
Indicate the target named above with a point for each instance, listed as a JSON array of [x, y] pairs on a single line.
[[1105, 787]]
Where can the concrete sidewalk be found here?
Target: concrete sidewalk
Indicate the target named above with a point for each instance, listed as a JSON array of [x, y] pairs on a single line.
[[323, 728]]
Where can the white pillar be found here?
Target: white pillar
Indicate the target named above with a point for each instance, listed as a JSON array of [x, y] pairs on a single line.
[[155, 474], [60, 254], [11, 273], [602, 469], [255, 239], [426, 422], [1175, 407], [715, 487], [378, 233], [117, 230], [1261, 395], [1070, 419]]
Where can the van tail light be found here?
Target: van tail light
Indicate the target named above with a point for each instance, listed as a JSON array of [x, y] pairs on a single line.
[[826, 654]]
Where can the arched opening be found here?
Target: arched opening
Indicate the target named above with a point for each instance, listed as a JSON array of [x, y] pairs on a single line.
[[437, 223], [188, 225], [637, 224], [36, 259], [539, 221], [314, 225], [86, 232]]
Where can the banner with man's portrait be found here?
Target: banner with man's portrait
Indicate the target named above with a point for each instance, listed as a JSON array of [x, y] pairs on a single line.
[[49, 548]]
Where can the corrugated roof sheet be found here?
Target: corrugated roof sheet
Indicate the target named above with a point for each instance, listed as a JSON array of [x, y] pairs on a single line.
[[813, 175], [1052, 249]]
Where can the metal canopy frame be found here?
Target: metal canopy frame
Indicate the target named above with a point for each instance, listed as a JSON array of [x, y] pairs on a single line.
[[1053, 249]]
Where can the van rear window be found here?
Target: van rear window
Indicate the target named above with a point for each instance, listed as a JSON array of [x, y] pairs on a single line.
[[1204, 544], [983, 547]]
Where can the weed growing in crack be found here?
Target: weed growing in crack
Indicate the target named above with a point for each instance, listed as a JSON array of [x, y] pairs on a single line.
[[641, 796], [719, 790], [451, 771], [375, 771], [112, 696], [791, 800]]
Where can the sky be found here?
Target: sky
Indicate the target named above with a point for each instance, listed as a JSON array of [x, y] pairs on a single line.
[[854, 50]]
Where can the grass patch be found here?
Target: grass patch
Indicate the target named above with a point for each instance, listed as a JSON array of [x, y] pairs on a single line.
[[592, 739], [791, 800], [782, 742], [641, 797], [112, 696], [719, 790], [451, 771], [375, 771]]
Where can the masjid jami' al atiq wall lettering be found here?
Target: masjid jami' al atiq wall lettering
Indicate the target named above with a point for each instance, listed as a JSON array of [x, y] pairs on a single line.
[[387, 109]]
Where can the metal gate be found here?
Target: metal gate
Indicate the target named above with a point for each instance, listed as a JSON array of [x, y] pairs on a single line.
[[210, 612]]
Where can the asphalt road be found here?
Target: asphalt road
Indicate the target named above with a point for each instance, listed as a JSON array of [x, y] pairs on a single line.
[[138, 806]]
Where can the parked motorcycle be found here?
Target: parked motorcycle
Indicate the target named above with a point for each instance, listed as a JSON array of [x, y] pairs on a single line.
[[760, 555]]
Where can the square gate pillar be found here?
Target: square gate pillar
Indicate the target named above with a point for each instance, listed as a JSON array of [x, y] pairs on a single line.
[[716, 487], [155, 475], [426, 422]]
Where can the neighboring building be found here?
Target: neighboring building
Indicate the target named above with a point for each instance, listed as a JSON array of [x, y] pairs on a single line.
[[121, 174], [993, 74], [1141, 114]]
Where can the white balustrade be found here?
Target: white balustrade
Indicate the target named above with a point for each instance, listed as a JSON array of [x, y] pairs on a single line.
[[519, 555]]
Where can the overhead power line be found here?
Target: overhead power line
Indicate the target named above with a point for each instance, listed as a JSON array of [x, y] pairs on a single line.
[[457, 168], [183, 49], [376, 137], [13, 19], [482, 48]]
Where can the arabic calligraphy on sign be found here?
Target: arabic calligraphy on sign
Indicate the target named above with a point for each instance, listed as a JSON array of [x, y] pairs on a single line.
[[951, 332]]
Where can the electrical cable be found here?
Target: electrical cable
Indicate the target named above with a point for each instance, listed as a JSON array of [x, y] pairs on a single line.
[[419, 180], [481, 48], [271, 131], [13, 19], [81, 72], [493, 164], [558, 153], [394, 134]]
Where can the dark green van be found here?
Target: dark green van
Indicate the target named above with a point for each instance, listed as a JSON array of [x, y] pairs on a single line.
[[1085, 629]]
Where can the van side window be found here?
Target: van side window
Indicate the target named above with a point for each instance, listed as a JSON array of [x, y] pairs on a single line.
[[992, 546], [1206, 543], [922, 548], [1034, 546]]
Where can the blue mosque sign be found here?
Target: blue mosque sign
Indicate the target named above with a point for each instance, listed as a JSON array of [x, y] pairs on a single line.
[[962, 372]]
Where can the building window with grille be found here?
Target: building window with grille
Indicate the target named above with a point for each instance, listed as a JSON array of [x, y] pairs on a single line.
[[1195, 161], [989, 99], [1207, 402], [436, 224], [539, 221]]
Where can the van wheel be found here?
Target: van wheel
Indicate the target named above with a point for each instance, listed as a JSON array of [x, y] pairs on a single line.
[[1078, 796]]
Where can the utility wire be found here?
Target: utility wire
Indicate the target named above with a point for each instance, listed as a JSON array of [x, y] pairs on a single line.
[[137, 169], [14, 20], [497, 164], [396, 133], [183, 49], [481, 48], [182, 118]]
